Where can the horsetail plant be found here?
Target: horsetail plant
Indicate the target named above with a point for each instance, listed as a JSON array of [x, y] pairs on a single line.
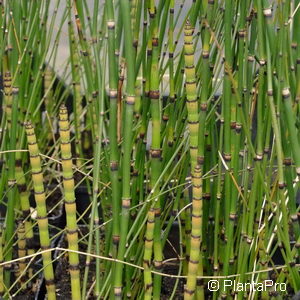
[[40, 199], [76, 90], [155, 151], [70, 200], [191, 93], [25, 207], [195, 258], [113, 128], [184, 116], [129, 103], [22, 253]]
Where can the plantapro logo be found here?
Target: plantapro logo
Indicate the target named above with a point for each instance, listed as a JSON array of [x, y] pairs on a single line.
[[236, 286]]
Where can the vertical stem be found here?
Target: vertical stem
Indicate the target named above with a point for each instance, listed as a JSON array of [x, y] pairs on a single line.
[[193, 121], [40, 199], [70, 201], [227, 96], [191, 93], [25, 207], [22, 253], [129, 103], [77, 102], [196, 236], [113, 130], [155, 151], [12, 191]]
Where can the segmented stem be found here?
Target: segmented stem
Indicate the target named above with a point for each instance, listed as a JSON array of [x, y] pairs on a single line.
[[114, 129], [40, 199], [70, 201], [22, 253], [191, 93], [195, 259], [77, 103], [196, 235], [25, 207], [148, 254], [49, 101], [127, 148], [8, 98]]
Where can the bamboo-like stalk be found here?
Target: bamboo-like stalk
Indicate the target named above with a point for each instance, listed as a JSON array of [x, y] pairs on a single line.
[[40, 199], [49, 101], [21, 253], [11, 178], [204, 134], [77, 103], [25, 206], [148, 284], [129, 103], [286, 96], [155, 151], [227, 98], [185, 220], [217, 215], [170, 127], [94, 221], [191, 93], [192, 105], [85, 58], [120, 102], [70, 201], [8, 98], [196, 236], [114, 129]]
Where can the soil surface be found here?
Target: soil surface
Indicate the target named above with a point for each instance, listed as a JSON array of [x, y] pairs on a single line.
[[168, 284]]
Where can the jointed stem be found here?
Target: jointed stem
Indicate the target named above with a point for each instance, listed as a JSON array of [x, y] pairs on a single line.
[[40, 199], [70, 201]]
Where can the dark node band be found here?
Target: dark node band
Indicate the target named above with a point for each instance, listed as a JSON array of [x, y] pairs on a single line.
[[146, 262], [149, 286], [227, 157], [158, 264], [155, 153], [116, 239], [190, 292], [49, 282], [39, 192], [196, 216]]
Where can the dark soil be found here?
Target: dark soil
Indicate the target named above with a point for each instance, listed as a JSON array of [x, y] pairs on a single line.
[[168, 284], [31, 292], [172, 250], [82, 204]]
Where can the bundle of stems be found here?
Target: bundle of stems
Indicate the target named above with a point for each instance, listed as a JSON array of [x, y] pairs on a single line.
[[169, 116]]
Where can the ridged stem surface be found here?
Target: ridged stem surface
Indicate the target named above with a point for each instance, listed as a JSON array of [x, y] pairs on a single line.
[[40, 200], [70, 201]]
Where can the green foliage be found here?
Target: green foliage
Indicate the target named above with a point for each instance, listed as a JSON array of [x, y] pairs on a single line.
[[168, 116]]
